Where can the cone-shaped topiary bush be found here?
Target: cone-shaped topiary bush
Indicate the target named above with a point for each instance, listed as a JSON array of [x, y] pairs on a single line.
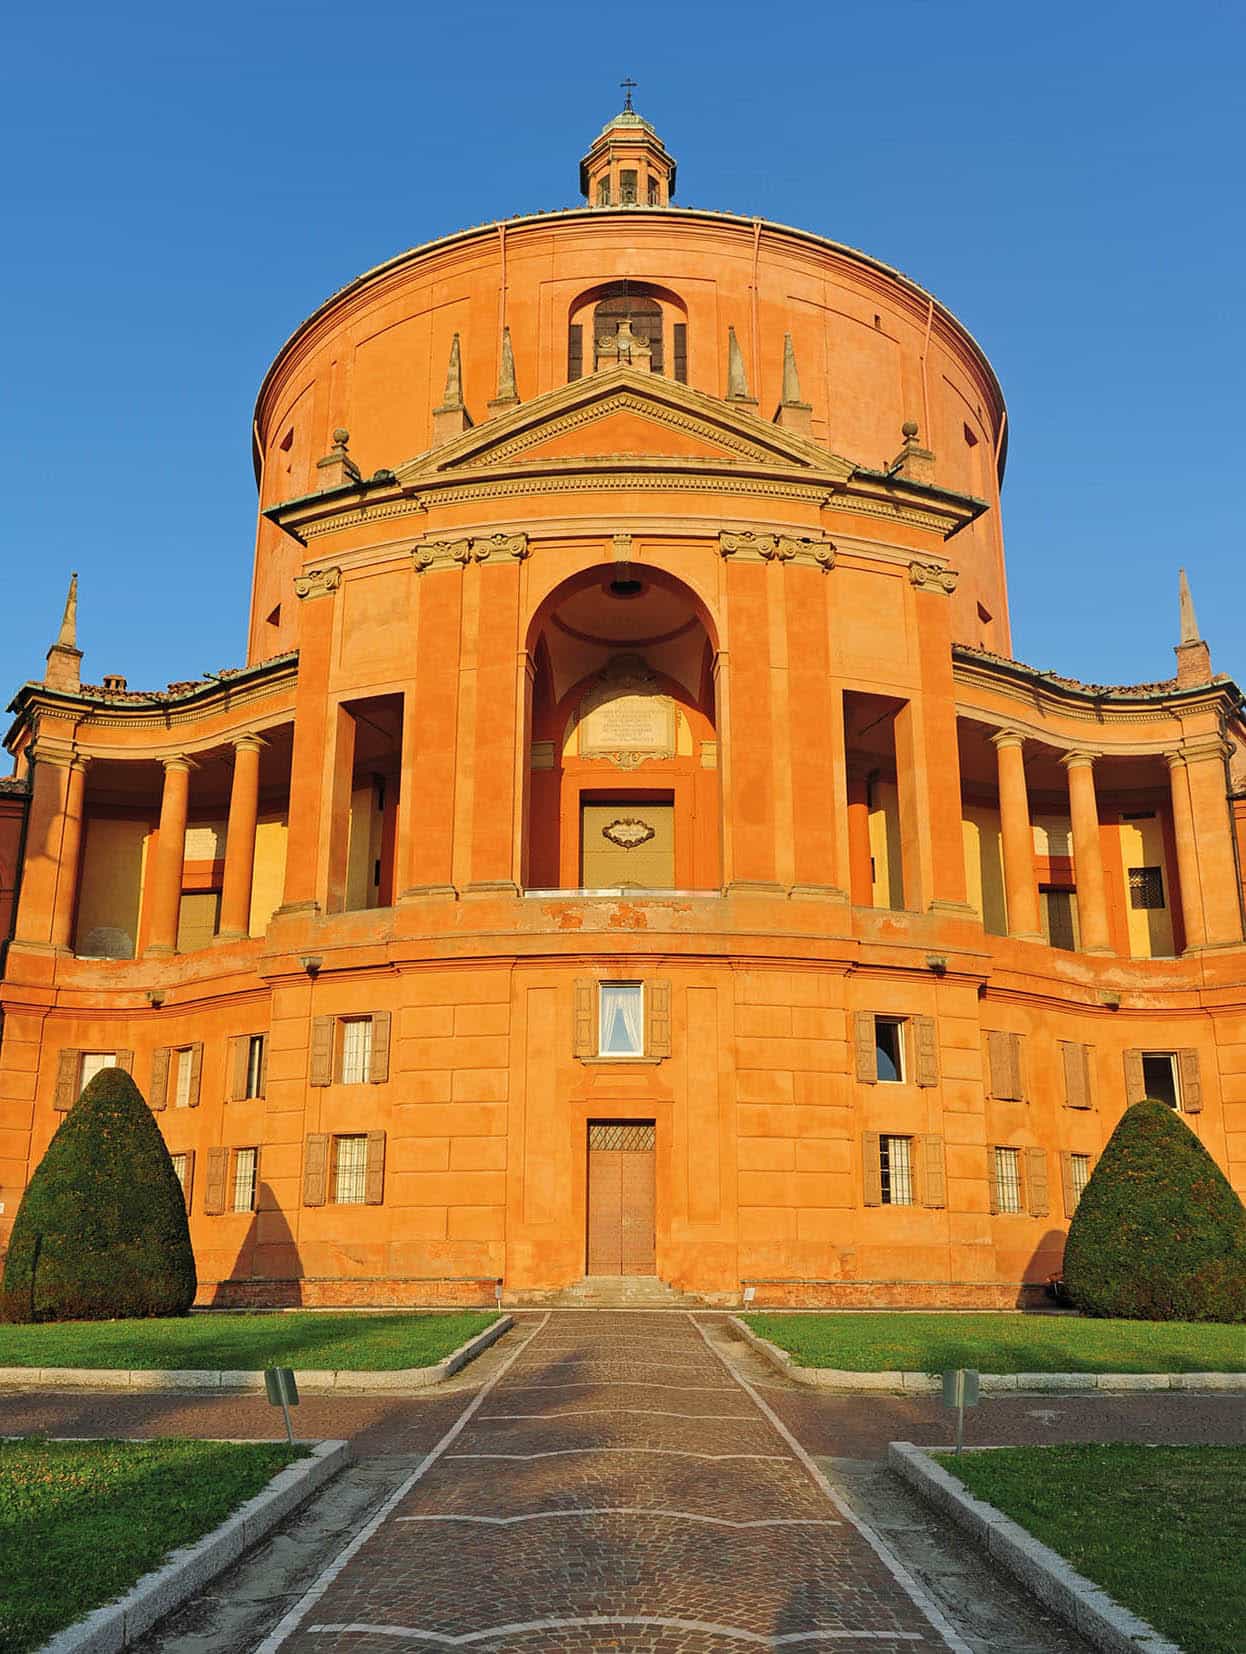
[[1159, 1234], [101, 1231]]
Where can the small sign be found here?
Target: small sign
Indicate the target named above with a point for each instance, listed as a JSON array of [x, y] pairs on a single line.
[[283, 1392], [960, 1390], [497, 1292], [750, 1292]]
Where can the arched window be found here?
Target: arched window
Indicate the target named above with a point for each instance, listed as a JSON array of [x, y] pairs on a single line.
[[651, 315], [643, 316]]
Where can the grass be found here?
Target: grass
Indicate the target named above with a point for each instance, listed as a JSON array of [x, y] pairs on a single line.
[[246, 1342], [1162, 1529], [80, 1522], [1004, 1343]]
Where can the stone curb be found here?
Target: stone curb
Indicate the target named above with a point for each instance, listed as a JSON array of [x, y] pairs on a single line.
[[111, 1628], [311, 1382], [837, 1378], [1044, 1573]]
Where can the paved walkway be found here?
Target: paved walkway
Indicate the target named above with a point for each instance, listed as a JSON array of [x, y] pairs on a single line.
[[614, 1485]]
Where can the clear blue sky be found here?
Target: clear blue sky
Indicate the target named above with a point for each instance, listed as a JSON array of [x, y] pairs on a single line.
[[183, 185]]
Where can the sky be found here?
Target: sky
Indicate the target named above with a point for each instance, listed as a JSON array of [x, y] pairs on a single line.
[[182, 186]]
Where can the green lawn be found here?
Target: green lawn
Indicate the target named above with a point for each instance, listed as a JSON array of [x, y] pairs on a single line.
[[1003, 1343], [246, 1342], [1162, 1529], [80, 1522]]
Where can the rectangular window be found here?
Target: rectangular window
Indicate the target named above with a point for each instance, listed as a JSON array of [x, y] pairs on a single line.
[[889, 1050], [627, 188], [1079, 1171], [184, 1060], [1146, 887], [1059, 916], [575, 351], [653, 192], [198, 915], [1008, 1180], [680, 334], [181, 1165], [621, 1020], [1159, 1078], [350, 1168], [255, 1066], [92, 1062], [603, 192], [895, 1160], [356, 1050], [244, 1180]]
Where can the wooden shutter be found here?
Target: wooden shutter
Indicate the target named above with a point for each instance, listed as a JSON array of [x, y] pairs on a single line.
[[1066, 1183], [374, 1177], [68, 1072], [189, 1185], [871, 1168], [1004, 1054], [320, 1062], [196, 1074], [160, 1059], [316, 1168], [1135, 1084], [933, 1171], [680, 331], [584, 1043], [1191, 1082], [239, 1059], [125, 1061], [658, 1008], [926, 1042], [215, 1179], [378, 1062], [575, 352], [1076, 1061], [992, 1181], [1036, 1182], [866, 1050]]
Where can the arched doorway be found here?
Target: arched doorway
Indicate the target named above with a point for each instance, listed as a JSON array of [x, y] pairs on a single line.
[[624, 792]]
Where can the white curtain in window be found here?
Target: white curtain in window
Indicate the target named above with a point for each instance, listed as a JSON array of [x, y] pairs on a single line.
[[356, 1050], [93, 1061], [1008, 1179], [244, 1180], [622, 1020], [349, 1171], [181, 1097]]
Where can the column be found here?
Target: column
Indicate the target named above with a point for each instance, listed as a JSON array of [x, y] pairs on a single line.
[[1187, 854], [244, 802], [65, 903], [305, 859], [1218, 886], [861, 888], [170, 857], [1092, 903], [1017, 836]]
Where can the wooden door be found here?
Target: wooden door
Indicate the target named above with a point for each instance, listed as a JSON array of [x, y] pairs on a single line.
[[621, 1197]]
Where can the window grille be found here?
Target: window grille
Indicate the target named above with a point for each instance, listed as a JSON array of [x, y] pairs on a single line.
[[889, 1050], [179, 1166], [1008, 1179], [350, 1170], [181, 1093], [637, 1136], [356, 1050], [1146, 887], [93, 1062], [643, 316], [244, 1180], [627, 188], [621, 1027], [1079, 1167], [896, 1167], [255, 1066]]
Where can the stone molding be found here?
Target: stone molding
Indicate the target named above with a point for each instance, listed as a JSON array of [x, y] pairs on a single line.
[[931, 577], [749, 547], [1199, 750], [447, 553], [1079, 755], [317, 582]]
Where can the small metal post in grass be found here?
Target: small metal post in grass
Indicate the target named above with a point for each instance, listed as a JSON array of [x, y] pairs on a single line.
[[283, 1392], [960, 1390]]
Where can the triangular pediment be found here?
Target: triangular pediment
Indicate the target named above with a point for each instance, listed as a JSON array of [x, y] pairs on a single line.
[[624, 415]]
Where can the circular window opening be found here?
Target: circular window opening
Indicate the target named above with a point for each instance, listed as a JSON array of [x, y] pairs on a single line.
[[625, 585]]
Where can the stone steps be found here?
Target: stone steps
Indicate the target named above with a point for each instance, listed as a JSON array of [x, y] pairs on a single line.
[[619, 1291]]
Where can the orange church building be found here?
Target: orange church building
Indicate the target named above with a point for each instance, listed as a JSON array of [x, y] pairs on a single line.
[[630, 848]]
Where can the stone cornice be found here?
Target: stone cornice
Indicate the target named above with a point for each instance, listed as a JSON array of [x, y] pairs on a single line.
[[1045, 693]]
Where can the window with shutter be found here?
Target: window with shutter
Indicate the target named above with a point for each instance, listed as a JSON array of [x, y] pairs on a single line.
[[926, 1042], [214, 1182], [158, 1092], [863, 1045], [934, 1171], [196, 1074], [246, 1177], [316, 1169], [1135, 1083], [1006, 1166], [871, 1168], [1004, 1057], [378, 1067], [184, 1167], [1191, 1094], [125, 1061], [895, 1170], [350, 1164], [320, 1059], [239, 1053], [356, 1065], [584, 1036], [658, 1017], [374, 1191], [68, 1068], [1075, 1060], [1159, 1077], [890, 1067], [1036, 1182]]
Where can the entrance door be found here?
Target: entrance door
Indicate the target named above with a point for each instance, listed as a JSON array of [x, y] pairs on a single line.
[[621, 1197]]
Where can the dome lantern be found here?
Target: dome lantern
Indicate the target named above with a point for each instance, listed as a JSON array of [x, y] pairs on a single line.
[[627, 165]]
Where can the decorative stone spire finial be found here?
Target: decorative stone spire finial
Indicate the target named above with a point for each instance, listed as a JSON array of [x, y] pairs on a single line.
[[1193, 655], [64, 668], [793, 414], [507, 396], [452, 416], [337, 469], [914, 463], [737, 379]]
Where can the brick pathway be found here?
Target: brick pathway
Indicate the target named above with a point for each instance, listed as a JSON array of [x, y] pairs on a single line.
[[615, 1486]]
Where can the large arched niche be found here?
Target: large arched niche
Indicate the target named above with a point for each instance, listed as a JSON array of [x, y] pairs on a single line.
[[623, 750]]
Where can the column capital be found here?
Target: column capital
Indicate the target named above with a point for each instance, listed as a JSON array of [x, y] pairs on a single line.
[[178, 762], [1079, 757], [59, 755], [249, 743], [1007, 738], [317, 582], [1210, 746]]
